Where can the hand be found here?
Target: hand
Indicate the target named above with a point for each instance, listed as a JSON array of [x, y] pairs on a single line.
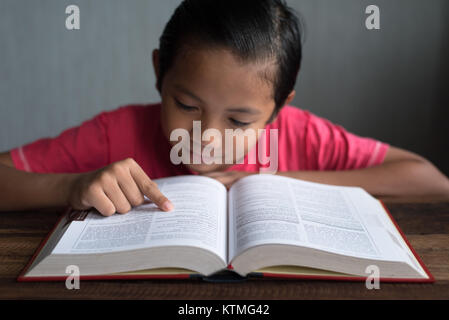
[[228, 178], [115, 188]]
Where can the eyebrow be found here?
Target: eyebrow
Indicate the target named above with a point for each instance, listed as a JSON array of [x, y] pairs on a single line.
[[238, 109]]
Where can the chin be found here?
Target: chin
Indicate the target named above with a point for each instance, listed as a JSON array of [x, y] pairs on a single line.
[[205, 168]]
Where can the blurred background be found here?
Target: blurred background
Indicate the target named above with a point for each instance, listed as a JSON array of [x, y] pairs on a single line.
[[391, 84]]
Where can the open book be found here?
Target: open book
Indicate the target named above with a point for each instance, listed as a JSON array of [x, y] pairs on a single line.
[[264, 226]]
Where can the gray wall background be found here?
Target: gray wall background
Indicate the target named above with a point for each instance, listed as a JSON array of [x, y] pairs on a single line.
[[391, 84]]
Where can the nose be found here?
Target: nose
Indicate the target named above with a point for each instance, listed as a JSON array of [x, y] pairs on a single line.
[[209, 132]]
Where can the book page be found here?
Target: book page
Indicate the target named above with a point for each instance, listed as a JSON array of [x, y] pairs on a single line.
[[199, 219], [267, 209], [261, 212]]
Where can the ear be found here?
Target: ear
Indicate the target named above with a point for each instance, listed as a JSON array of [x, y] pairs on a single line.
[[156, 64], [290, 97]]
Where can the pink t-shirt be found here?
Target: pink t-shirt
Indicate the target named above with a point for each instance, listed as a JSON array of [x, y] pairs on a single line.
[[305, 142]]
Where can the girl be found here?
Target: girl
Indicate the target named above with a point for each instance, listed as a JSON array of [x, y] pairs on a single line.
[[230, 64]]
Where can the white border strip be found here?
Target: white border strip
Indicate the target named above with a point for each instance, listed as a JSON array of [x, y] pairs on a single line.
[[375, 153], [26, 165]]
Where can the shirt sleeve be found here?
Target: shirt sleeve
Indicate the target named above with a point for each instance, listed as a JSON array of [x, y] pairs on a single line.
[[334, 148], [79, 149]]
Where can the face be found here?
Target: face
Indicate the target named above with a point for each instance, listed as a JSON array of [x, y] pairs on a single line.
[[212, 87]]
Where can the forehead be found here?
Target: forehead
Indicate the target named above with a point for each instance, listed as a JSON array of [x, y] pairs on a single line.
[[217, 76]]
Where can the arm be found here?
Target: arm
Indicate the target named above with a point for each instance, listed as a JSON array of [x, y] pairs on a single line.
[[21, 190], [5, 159], [115, 188], [402, 173]]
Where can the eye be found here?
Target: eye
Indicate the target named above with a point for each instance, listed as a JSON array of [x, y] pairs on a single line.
[[185, 107], [239, 123]]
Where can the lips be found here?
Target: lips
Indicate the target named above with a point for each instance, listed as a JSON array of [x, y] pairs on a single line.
[[205, 156]]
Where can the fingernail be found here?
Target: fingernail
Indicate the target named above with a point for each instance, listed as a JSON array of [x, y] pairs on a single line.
[[167, 206]]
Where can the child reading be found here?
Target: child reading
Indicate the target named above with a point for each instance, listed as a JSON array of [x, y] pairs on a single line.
[[229, 64]]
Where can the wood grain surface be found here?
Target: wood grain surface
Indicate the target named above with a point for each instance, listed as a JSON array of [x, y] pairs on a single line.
[[426, 225]]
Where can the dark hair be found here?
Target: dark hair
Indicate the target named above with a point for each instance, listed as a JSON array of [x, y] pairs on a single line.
[[253, 30]]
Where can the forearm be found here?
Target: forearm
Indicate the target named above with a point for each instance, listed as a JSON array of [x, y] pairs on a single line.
[[22, 190], [397, 178]]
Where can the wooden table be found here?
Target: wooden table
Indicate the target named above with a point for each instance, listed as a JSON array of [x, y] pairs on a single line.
[[425, 223]]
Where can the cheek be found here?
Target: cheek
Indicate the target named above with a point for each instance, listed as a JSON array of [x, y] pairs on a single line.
[[172, 118]]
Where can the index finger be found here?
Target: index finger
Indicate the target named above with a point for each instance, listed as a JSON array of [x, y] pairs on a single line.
[[149, 188]]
